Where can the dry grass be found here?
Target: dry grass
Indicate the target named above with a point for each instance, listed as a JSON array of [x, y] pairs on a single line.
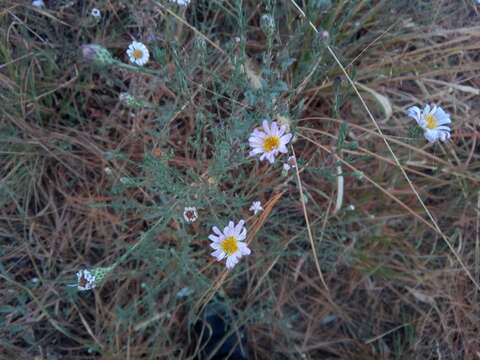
[[393, 289]]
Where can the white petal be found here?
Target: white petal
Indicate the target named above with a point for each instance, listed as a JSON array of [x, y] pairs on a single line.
[[219, 254], [231, 261], [255, 152], [215, 245], [443, 128], [214, 238], [271, 157], [274, 128], [256, 139], [244, 250], [239, 227], [414, 112], [228, 230], [442, 116], [285, 139], [217, 231], [266, 128], [259, 134], [426, 109], [431, 135], [256, 145], [243, 234]]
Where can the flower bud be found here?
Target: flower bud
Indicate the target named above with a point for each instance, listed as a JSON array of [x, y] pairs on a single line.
[[96, 55], [130, 101], [267, 24]]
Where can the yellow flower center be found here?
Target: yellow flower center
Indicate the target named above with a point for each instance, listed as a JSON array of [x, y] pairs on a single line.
[[431, 121], [271, 142], [229, 245], [137, 54]]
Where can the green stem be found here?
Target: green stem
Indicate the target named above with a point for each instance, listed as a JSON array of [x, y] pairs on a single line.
[[138, 69]]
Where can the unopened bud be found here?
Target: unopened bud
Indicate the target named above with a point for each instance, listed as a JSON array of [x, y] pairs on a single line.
[[267, 24], [97, 55], [129, 101]]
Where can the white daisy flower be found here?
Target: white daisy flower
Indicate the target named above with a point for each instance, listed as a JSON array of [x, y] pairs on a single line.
[[190, 214], [270, 141], [256, 207], [86, 280], [96, 13], [138, 53], [286, 167], [433, 120], [230, 243], [38, 3]]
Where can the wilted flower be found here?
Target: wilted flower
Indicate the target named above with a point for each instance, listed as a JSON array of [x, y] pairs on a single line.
[[190, 214], [256, 207], [89, 279], [433, 120], [138, 53], [97, 55], [96, 13], [86, 280], [269, 142], [230, 243], [38, 3]]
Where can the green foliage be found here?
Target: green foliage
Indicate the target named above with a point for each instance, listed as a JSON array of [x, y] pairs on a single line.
[[174, 134]]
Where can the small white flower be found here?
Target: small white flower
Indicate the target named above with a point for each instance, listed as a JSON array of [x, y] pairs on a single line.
[[433, 120], [230, 243], [96, 13], [190, 214], [270, 141], [138, 53], [256, 207], [38, 3], [181, 2], [86, 280], [292, 161], [290, 164]]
